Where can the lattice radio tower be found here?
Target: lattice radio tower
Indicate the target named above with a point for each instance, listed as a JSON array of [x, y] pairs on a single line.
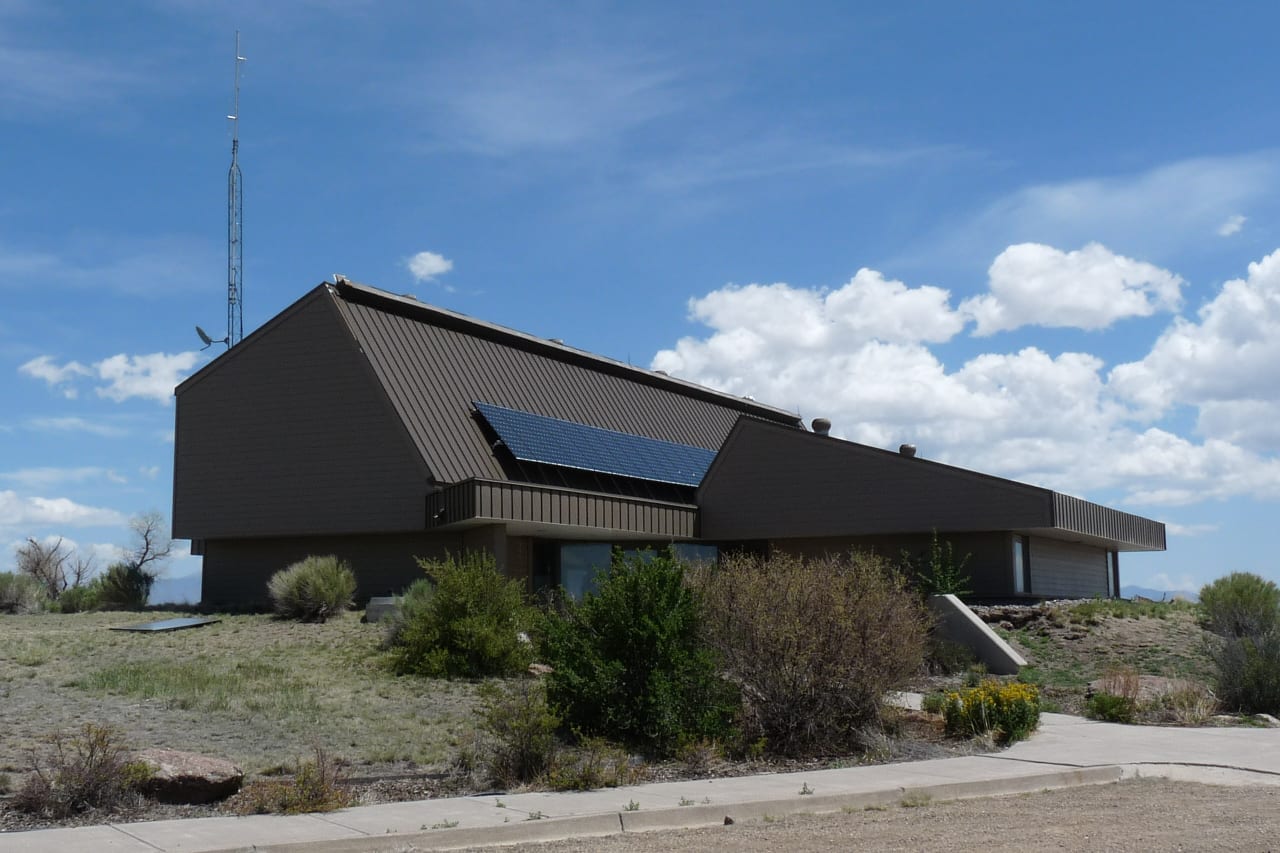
[[235, 222]]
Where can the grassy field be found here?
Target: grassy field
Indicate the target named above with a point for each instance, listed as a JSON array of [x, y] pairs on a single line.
[[253, 689]]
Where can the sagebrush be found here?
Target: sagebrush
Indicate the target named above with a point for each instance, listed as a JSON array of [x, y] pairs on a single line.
[[123, 586], [518, 732], [20, 593], [813, 645], [1240, 604], [88, 769], [313, 589], [630, 661], [1243, 611], [464, 620]]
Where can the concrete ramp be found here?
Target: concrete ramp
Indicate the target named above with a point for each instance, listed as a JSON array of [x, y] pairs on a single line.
[[959, 624]]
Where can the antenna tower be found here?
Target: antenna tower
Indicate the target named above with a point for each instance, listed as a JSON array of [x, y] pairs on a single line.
[[235, 222]]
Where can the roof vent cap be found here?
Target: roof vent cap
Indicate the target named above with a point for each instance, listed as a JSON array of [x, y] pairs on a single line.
[[907, 450], [559, 341], [821, 426]]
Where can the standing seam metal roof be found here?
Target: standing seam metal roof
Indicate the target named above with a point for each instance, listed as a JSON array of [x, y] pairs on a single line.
[[433, 363]]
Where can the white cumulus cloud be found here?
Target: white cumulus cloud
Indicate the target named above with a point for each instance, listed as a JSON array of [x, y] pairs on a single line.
[[121, 377], [1226, 362], [863, 355], [18, 511], [427, 265], [60, 377], [151, 377], [1031, 284]]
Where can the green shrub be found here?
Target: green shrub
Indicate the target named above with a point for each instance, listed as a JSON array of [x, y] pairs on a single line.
[[1248, 672], [1008, 712], [318, 786], [20, 593], [463, 621], [312, 589], [939, 572], [123, 587], [933, 703], [1110, 708], [813, 644], [630, 663], [1240, 605], [592, 763], [87, 770], [946, 657], [519, 730], [80, 599]]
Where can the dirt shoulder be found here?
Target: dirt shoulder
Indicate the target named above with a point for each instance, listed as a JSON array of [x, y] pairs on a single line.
[[1132, 816]]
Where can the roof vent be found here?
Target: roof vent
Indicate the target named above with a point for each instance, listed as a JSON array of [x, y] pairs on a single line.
[[559, 341], [821, 426], [907, 450], [661, 373]]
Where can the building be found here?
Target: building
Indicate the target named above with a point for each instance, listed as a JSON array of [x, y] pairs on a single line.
[[380, 429]]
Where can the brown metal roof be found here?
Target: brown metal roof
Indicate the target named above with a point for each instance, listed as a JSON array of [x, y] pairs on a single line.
[[434, 363], [773, 483]]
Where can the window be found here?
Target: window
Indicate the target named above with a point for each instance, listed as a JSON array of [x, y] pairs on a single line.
[[577, 565], [580, 563], [1113, 573], [1022, 565]]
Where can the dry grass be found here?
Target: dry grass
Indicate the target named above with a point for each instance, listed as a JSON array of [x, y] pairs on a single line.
[[1122, 681], [258, 691]]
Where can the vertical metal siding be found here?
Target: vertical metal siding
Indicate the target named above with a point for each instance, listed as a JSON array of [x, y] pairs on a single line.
[[521, 502], [1081, 516]]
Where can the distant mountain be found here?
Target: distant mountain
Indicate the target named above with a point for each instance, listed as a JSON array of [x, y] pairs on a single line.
[[184, 589], [1157, 594]]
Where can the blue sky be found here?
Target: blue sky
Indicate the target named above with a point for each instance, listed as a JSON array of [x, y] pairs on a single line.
[[1034, 239]]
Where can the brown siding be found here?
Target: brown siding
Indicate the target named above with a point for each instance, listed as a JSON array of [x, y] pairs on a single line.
[[288, 434], [1067, 569], [236, 571], [772, 482], [433, 374], [521, 502], [989, 565]]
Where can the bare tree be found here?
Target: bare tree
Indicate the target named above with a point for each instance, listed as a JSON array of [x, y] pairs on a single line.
[[151, 546], [47, 564]]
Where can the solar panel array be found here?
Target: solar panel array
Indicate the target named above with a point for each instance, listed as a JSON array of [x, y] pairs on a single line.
[[551, 441]]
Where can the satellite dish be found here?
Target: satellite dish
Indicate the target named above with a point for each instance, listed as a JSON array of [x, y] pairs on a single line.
[[208, 341]]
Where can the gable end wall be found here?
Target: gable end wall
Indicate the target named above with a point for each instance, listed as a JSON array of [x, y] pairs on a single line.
[[292, 435]]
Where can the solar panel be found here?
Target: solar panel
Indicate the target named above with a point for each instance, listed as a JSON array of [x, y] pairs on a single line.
[[551, 441], [168, 625]]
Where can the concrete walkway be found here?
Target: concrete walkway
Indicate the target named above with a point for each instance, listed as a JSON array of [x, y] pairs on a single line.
[[1066, 751]]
